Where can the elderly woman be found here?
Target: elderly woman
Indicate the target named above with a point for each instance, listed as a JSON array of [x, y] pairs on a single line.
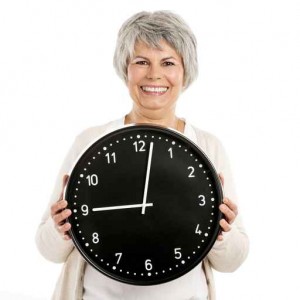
[[156, 58]]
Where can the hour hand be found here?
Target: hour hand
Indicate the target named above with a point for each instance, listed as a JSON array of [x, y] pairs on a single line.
[[120, 207]]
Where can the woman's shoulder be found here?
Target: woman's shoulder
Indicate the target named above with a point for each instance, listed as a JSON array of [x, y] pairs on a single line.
[[93, 133], [206, 140], [211, 145]]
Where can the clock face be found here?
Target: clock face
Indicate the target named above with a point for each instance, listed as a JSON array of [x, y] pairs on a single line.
[[145, 205]]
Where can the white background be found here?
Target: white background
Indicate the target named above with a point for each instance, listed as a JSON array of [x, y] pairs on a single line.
[[57, 78]]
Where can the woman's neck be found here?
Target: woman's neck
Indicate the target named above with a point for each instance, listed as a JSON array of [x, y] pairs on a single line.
[[170, 120]]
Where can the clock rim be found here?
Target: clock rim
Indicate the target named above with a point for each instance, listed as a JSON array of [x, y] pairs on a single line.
[[219, 192]]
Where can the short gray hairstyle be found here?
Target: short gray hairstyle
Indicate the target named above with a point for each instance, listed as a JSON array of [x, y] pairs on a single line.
[[150, 28]]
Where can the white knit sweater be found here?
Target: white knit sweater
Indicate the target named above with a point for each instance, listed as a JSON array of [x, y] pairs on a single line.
[[225, 256]]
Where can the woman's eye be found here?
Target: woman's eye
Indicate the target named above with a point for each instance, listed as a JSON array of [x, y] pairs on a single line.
[[168, 63], [142, 62]]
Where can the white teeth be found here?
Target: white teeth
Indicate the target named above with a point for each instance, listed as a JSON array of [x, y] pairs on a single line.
[[154, 89]]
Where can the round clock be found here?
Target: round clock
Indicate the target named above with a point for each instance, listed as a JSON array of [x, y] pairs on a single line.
[[145, 204]]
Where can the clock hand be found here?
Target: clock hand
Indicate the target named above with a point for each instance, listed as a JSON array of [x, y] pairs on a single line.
[[147, 178], [120, 207]]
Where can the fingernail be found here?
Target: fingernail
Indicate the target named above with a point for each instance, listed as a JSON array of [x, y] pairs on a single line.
[[67, 212]]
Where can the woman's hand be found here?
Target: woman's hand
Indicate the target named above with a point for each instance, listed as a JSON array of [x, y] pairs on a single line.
[[59, 213], [230, 211]]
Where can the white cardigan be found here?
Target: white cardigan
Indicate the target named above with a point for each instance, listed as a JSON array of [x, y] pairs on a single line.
[[225, 256]]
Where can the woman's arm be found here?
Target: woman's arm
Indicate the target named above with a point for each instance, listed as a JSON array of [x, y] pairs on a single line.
[[51, 238], [230, 252], [232, 246], [52, 243]]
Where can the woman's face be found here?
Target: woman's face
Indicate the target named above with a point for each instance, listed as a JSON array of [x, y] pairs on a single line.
[[155, 77]]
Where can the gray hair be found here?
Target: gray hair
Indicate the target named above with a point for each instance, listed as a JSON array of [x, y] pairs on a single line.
[[150, 28]]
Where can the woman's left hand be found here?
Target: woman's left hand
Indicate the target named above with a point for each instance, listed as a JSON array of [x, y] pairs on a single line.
[[230, 211]]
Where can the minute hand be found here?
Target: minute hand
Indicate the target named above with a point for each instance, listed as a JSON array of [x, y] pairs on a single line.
[[147, 178]]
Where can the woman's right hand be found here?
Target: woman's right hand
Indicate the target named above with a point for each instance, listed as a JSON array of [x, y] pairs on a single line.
[[59, 213]]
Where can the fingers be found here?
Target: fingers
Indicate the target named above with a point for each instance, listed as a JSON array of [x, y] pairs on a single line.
[[221, 177], [58, 206], [220, 237], [64, 183], [63, 230], [60, 213], [225, 225], [225, 228], [230, 211], [60, 216]]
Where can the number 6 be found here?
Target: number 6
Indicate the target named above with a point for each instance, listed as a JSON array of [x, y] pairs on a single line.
[[148, 265]]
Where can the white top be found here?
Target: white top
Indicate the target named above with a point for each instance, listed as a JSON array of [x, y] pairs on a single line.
[[225, 256], [191, 286]]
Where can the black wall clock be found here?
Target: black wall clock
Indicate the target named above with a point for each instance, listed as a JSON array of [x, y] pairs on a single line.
[[145, 204]]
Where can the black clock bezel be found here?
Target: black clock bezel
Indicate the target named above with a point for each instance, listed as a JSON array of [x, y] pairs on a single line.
[[218, 196]]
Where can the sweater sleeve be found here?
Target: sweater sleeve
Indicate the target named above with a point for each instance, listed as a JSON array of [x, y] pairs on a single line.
[[48, 240], [229, 254]]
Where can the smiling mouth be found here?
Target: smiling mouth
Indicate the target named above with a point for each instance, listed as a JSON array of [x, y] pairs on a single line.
[[154, 90]]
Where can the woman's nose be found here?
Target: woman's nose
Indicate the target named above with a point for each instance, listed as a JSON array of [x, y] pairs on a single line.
[[154, 72]]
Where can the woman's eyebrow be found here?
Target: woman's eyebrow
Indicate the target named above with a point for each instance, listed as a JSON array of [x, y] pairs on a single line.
[[139, 56], [143, 57], [169, 57]]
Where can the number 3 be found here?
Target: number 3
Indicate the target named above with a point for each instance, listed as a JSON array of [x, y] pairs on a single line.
[[202, 200]]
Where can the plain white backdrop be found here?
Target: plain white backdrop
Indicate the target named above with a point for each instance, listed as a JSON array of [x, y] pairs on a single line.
[[57, 78]]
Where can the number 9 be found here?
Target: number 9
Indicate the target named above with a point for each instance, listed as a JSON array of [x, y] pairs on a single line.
[[85, 210]]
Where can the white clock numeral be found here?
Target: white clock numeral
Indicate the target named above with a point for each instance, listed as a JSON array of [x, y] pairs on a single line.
[[119, 257], [111, 157], [142, 145], [95, 238], [191, 175], [198, 231], [85, 210], [171, 152], [148, 265], [178, 254], [92, 179], [202, 200]]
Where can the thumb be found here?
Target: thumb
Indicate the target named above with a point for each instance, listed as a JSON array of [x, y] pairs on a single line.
[[64, 183], [221, 179]]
